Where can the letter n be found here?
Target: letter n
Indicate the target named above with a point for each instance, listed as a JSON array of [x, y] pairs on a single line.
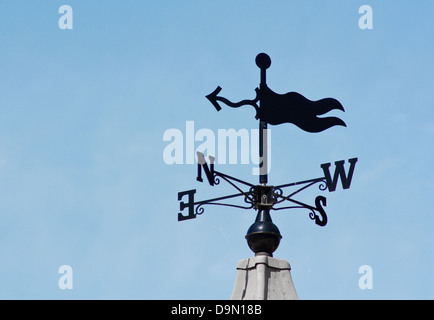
[[339, 173], [209, 171]]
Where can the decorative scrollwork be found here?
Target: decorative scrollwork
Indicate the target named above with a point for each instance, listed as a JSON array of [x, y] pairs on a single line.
[[250, 197], [199, 209], [312, 214], [277, 193], [323, 185]]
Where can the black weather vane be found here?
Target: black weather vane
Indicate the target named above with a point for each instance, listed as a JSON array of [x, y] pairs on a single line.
[[272, 108]]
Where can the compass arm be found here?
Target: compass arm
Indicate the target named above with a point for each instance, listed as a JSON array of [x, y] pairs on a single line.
[[212, 175], [316, 213], [224, 176], [218, 199], [278, 192], [228, 177], [310, 181], [300, 204], [195, 208]]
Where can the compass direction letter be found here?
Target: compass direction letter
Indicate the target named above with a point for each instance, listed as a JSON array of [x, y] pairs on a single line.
[[339, 173], [201, 163], [189, 204], [319, 202]]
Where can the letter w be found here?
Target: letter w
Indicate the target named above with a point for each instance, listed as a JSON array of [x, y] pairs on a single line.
[[339, 173], [208, 171]]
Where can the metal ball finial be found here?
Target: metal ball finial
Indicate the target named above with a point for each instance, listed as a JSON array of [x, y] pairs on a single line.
[[263, 237], [263, 61]]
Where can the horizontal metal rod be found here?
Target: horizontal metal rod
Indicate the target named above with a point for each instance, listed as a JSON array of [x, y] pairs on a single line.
[[302, 204], [229, 205], [220, 198], [291, 207], [300, 182], [301, 189], [232, 178]]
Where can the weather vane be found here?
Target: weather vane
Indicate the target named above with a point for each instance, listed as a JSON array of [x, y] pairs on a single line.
[[263, 236]]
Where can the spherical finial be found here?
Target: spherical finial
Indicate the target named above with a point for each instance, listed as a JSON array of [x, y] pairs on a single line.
[[263, 61], [263, 237]]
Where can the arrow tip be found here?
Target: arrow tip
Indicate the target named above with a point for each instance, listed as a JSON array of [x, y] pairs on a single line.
[[212, 98]]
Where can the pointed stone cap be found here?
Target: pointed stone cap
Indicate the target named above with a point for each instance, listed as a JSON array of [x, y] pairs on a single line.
[[263, 278]]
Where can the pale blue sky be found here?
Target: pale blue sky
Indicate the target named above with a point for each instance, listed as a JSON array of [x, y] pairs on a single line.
[[83, 113]]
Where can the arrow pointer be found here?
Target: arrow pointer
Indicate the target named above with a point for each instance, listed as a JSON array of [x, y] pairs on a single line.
[[213, 98]]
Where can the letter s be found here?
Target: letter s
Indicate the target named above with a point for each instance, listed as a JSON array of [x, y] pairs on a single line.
[[319, 201]]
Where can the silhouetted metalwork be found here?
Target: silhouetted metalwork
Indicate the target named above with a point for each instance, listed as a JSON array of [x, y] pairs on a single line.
[[291, 107], [272, 108], [267, 196]]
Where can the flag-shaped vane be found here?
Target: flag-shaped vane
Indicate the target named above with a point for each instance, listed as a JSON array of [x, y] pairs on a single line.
[[291, 107], [295, 108]]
